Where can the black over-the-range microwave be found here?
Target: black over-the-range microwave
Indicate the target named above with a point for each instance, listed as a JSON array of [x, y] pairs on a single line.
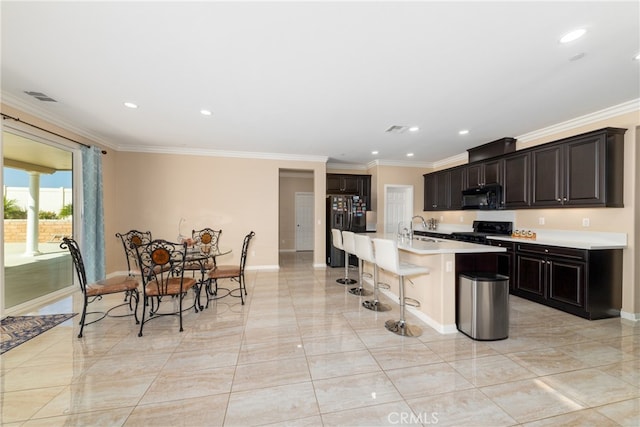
[[485, 197]]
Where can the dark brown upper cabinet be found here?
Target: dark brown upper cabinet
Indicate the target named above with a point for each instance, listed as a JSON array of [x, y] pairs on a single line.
[[359, 185], [516, 184], [581, 171], [585, 170], [483, 173]]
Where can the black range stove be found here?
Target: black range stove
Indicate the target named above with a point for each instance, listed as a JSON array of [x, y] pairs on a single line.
[[482, 229]]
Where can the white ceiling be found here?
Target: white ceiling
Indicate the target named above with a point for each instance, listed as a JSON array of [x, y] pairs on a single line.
[[317, 79]]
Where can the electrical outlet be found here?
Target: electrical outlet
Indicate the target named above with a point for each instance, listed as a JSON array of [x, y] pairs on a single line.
[[461, 219], [585, 222], [541, 220]]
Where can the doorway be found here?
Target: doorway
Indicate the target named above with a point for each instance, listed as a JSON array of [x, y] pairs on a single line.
[[398, 202], [296, 206], [38, 206]]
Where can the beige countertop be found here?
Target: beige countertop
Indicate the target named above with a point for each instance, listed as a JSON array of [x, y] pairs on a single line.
[[591, 240]]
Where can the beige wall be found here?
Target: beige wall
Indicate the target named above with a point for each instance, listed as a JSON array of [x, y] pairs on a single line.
[[153, 191], [382, 176], [289, 186]]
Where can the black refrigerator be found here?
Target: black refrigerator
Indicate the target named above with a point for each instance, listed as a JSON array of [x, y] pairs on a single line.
[[346, 213]]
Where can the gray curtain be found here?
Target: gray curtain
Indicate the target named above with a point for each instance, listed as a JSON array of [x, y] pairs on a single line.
[[93, 214]]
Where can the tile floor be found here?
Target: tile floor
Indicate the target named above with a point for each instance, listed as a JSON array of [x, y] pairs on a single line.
[[303, 352]]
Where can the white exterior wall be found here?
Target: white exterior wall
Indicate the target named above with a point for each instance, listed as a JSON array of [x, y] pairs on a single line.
[[51, 199]]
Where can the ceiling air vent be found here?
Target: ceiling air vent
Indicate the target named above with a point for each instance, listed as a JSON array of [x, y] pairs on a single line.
[[40, 96], [397, 129]]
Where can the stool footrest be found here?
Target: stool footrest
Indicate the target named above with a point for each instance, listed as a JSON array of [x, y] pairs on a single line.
[[412, 302], [382, 285]]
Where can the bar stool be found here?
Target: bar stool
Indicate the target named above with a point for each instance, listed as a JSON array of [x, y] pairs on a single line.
[[336, 237], [349, 243], [388, 258], [364, 252]]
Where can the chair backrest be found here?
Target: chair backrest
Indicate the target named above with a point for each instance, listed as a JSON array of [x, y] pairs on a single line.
[[336, 237], [78, 263], [348, 241], [130, 240], [245, 249], [160, 261], [206, 240], [387, 256], [364, 248]]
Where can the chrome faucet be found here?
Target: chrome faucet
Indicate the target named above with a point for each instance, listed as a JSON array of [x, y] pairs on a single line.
[[424, 223]]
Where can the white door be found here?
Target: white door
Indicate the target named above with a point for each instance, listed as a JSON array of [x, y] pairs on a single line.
[[304, 221], [398, 202]]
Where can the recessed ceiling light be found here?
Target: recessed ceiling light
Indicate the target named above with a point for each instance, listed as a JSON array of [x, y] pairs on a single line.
[[463, 132], [637, 57], [409, 154], [374, 152], [205, 112], [573, 35], [414, 129], [130, 105]]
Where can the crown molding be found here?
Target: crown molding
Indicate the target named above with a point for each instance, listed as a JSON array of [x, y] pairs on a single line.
[[20, 104], [607, 113], [224, 153], [401, 163], [462, 157]]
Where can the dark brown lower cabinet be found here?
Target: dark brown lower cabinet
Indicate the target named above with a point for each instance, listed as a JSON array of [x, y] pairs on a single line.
[[587, 283]]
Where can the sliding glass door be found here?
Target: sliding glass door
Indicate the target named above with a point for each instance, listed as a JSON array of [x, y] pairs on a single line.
[[38, 212]]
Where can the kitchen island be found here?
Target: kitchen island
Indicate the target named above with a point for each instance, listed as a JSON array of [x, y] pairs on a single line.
[[436, 291]]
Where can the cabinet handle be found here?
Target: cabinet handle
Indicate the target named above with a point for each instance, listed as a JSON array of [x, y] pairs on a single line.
[[558, 200], [546, 250], [564, 199]]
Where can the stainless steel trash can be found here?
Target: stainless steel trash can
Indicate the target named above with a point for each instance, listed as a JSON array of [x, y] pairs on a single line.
[[482, 308]]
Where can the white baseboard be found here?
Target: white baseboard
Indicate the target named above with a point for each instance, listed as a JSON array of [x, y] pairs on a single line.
[[274, 267], [630, 316]]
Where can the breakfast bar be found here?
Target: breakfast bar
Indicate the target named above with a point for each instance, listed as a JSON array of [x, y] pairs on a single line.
[[436, 291]]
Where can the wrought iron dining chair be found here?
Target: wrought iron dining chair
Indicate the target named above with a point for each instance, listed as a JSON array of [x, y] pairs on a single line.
[[162, 264], [130, 240], [233, 272], [205, 242], [94, 291]]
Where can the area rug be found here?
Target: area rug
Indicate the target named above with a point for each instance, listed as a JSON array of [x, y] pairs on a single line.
[[19, 329]]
